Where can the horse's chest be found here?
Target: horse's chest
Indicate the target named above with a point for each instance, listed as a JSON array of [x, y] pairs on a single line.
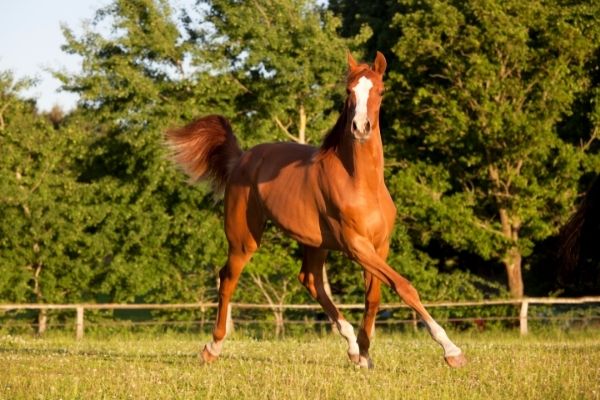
[[374, 222], [371, 216]]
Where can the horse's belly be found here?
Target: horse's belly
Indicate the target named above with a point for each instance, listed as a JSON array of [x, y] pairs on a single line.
[[292, 210], [299, 222]]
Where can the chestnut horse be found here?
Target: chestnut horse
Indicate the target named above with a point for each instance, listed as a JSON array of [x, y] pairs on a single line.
[[327, 198]]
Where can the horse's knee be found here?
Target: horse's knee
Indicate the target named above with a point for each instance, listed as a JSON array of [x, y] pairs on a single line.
[[301, 277]]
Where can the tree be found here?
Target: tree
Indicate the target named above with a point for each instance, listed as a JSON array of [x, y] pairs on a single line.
[[43, 213], [285, 56], [485, 85], [158, 238]]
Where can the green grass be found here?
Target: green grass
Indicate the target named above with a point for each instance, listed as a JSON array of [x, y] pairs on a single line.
[[138, 366]]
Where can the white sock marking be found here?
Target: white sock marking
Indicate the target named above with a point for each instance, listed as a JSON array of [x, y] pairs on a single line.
[[215, 348], [439, 335], [347, 331]]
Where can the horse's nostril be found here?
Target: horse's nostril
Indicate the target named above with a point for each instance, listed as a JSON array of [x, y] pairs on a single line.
[[354, 126], [368, 126]]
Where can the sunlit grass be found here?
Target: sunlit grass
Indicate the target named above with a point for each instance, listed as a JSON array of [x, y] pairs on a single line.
[[502, 365]]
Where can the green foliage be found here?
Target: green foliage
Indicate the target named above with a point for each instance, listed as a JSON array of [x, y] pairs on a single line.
[[159, 239], [42, 206], [481, 90], [491, 126], [287, 60]]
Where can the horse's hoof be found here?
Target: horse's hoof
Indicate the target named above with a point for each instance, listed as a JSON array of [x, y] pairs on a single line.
[[456, 361], [355, 358], [366, 362], [206, 356]]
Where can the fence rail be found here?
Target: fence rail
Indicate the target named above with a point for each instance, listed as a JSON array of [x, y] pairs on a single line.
[[523, 303]]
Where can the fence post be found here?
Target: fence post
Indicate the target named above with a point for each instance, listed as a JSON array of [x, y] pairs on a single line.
[[79, 323], [42, 321], [523, 317], [202, 317], [415, 321]]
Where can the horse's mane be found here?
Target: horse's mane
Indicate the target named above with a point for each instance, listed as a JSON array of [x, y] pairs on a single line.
[[335, 136]]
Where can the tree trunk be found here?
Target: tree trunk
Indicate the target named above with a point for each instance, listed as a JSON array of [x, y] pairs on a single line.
[[512, 259], [511, 224], [512, 263], [279, 325], [302, 125], [42, 318]]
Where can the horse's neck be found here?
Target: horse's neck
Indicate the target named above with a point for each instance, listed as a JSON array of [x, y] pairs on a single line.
[[363, 161]]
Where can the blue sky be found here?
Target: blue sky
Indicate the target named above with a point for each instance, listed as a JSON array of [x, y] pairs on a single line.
[[30, 40]]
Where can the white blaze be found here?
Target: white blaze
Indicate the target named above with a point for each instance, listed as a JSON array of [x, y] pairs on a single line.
[[361, 92]]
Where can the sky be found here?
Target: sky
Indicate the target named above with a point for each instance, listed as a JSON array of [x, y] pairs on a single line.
[[30, 41]]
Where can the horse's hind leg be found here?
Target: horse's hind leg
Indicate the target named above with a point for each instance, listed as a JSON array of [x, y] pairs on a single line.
[[311, 276], [243, 234], [229, 276]]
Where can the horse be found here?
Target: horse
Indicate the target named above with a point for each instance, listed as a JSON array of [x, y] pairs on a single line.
[[330, 198]]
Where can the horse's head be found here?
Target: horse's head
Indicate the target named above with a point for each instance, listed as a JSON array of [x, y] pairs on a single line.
[[365, 91]]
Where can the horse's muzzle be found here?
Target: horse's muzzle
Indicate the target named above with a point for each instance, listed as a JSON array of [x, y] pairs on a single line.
[[361, 129]]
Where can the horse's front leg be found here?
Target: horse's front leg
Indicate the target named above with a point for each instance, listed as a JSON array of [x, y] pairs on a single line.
[[361, 250], [372, 301], [367, 328]]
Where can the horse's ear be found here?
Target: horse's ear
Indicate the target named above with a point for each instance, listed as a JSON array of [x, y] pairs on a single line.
[[380, 64], [351, 61]]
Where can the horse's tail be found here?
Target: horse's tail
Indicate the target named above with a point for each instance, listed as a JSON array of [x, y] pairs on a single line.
[[574, 235], [206, 149]]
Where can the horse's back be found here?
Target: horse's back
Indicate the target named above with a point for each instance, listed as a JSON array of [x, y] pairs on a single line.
[[282, 178]]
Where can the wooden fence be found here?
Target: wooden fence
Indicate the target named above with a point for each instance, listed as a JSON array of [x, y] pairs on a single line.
[[80, 308]]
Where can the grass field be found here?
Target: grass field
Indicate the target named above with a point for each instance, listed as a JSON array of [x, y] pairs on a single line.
[[143, 366]]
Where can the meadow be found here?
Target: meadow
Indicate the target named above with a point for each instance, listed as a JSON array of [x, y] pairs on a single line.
[[502, 365]]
